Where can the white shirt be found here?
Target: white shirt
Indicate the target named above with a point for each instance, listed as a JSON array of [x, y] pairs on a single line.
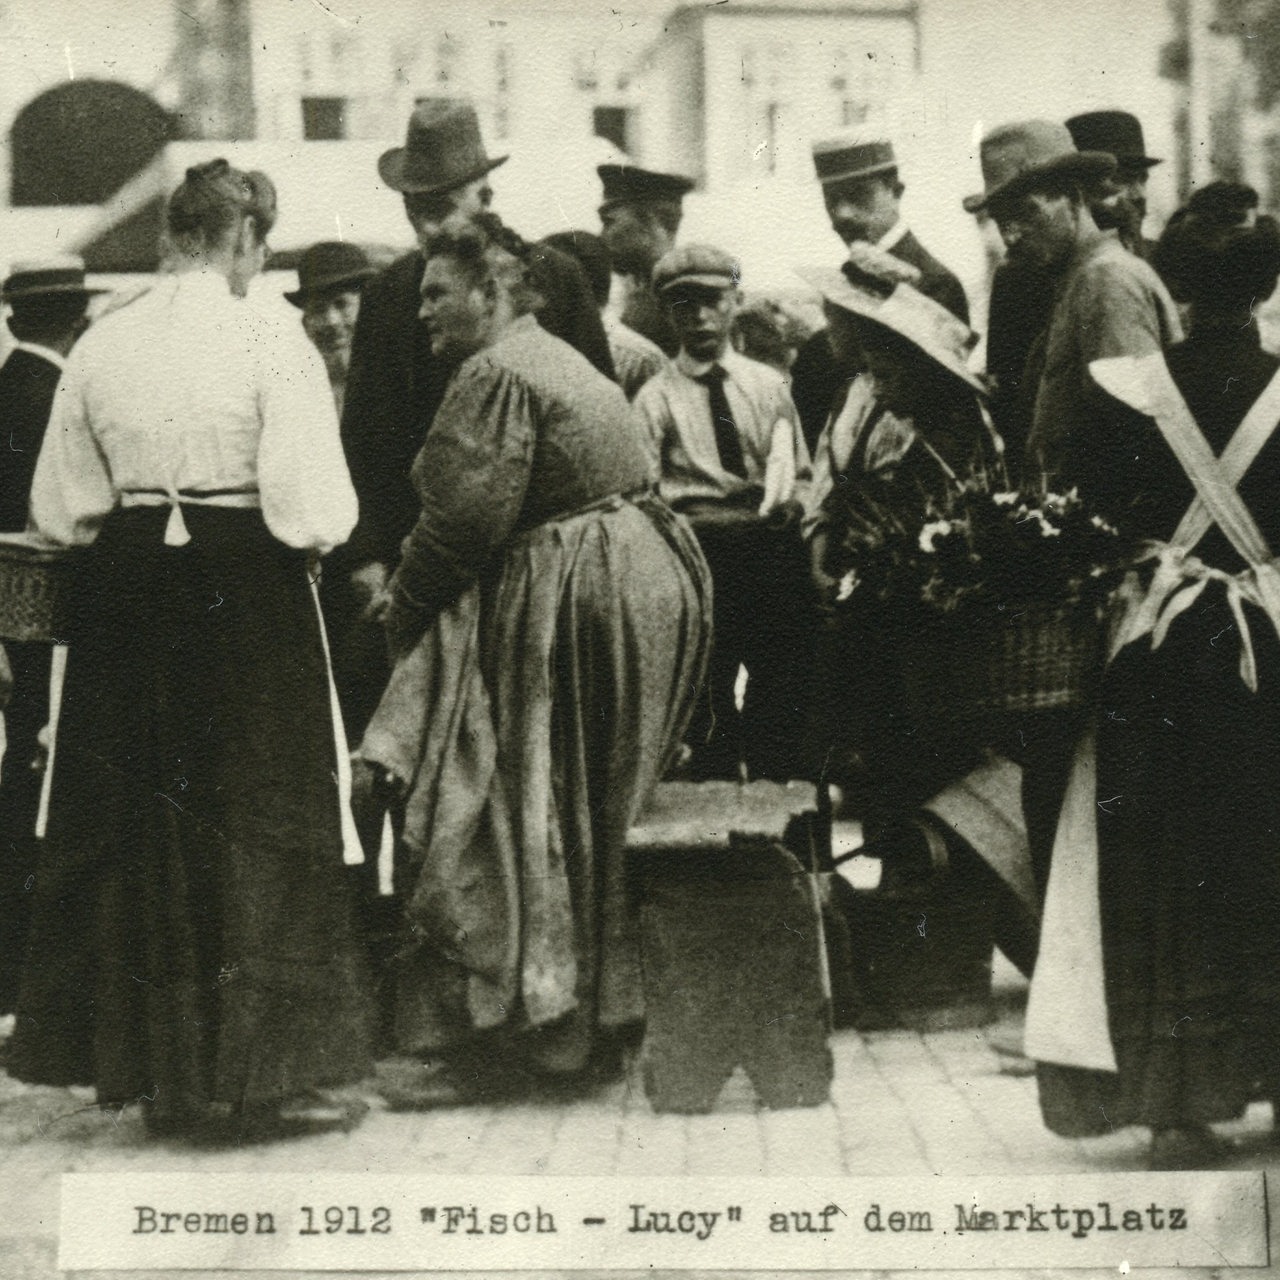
[[192, 389], [674, 413]]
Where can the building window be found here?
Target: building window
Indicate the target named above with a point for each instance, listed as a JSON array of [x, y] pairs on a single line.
[[324, 119], [611, 123]]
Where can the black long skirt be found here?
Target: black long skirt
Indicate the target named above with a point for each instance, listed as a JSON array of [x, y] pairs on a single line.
[[1188, 881], [192, 941]]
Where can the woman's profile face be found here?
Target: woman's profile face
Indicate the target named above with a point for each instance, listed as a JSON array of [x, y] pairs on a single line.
[[454, 307]]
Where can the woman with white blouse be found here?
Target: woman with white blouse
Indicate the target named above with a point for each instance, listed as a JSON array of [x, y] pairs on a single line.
[[192, 950]]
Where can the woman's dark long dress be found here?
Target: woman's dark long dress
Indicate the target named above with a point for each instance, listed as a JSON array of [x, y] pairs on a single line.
[[1189, 803], [191, 948]]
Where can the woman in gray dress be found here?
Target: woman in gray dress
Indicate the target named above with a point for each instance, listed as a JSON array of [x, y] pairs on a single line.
[[549, 623]]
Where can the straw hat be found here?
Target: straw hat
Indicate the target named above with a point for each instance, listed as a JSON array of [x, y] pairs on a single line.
[[927, 325]]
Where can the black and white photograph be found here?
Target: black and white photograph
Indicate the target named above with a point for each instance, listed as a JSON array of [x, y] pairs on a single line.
[[675, 594]]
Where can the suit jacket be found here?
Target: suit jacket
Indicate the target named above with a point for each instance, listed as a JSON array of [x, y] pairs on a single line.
[[27, 384], [815, 377], [395, 385]]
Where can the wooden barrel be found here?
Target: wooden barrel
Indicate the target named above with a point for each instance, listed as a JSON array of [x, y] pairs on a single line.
[[36, 585]]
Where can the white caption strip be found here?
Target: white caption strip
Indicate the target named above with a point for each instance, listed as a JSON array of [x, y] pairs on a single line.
[[356, 1222]]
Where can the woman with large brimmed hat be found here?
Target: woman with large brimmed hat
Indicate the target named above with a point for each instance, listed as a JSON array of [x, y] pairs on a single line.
[[913, 424]]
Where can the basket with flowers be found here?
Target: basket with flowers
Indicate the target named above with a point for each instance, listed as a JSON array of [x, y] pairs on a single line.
[[1000, 594]]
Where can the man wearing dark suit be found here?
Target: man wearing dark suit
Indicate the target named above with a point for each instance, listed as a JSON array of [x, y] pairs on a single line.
[[395, 384], [863, 195], [47, 300]]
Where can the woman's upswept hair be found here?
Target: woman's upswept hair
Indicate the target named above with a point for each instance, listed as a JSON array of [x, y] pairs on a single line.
[[486, 247], [1216, 254], [212, 198]]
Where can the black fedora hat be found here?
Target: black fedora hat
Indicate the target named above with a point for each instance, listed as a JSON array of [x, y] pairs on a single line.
[[46, 277], [1118, 132], [330, 266], [443, 150]]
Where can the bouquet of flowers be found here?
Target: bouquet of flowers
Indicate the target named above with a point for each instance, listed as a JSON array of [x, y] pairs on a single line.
[[976, 544], [1000, 592]]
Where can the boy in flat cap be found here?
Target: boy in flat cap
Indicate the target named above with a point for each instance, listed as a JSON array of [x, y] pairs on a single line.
[[47, 302], [639, 219], [730, 457]]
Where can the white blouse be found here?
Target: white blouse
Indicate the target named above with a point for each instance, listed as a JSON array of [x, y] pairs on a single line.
[[190, 389]]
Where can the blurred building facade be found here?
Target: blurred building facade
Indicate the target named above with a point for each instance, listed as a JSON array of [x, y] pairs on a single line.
[[731, 93]]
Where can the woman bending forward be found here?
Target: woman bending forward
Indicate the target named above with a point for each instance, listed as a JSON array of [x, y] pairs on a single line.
[[550, 625]]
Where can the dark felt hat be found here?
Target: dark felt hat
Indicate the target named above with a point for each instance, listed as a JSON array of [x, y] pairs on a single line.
[[63, 274], [701, 264], [626, 182], [443, 150], [1115, 131], [1016, 158], [330, 266], [852, 157]]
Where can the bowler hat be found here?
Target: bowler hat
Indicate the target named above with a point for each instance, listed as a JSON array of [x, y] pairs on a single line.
[[1016, 158], [329, 266], [927, 325], [63, 274], [626, 182], [852, 157], [443, 150], [1115, 131], [696, 264]]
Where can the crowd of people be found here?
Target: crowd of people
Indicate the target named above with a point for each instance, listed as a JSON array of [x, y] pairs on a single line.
[[489, 543]]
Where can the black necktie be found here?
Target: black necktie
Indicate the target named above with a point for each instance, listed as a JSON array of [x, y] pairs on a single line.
[[728, 445]]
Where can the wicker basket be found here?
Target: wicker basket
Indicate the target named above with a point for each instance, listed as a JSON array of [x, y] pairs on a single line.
[[979, 664], [36, 583]]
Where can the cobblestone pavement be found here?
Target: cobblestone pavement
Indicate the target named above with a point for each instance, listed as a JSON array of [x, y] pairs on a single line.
[[902, 1103]]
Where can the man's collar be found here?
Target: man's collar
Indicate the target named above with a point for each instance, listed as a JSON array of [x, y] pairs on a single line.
[[55, 358], [891, 237], [697, 368]]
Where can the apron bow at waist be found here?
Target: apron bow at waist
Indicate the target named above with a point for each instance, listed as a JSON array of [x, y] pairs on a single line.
[[175, 531], [1177, 583]]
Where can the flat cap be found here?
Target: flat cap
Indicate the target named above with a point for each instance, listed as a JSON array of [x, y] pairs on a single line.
[[623, 182], [696, 264]]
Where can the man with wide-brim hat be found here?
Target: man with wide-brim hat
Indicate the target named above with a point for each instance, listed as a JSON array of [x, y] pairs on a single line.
[[1120, 202], [640, 215], [862, 190], [47, 300], [395, 384], [331, 275], [1107, 302]]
